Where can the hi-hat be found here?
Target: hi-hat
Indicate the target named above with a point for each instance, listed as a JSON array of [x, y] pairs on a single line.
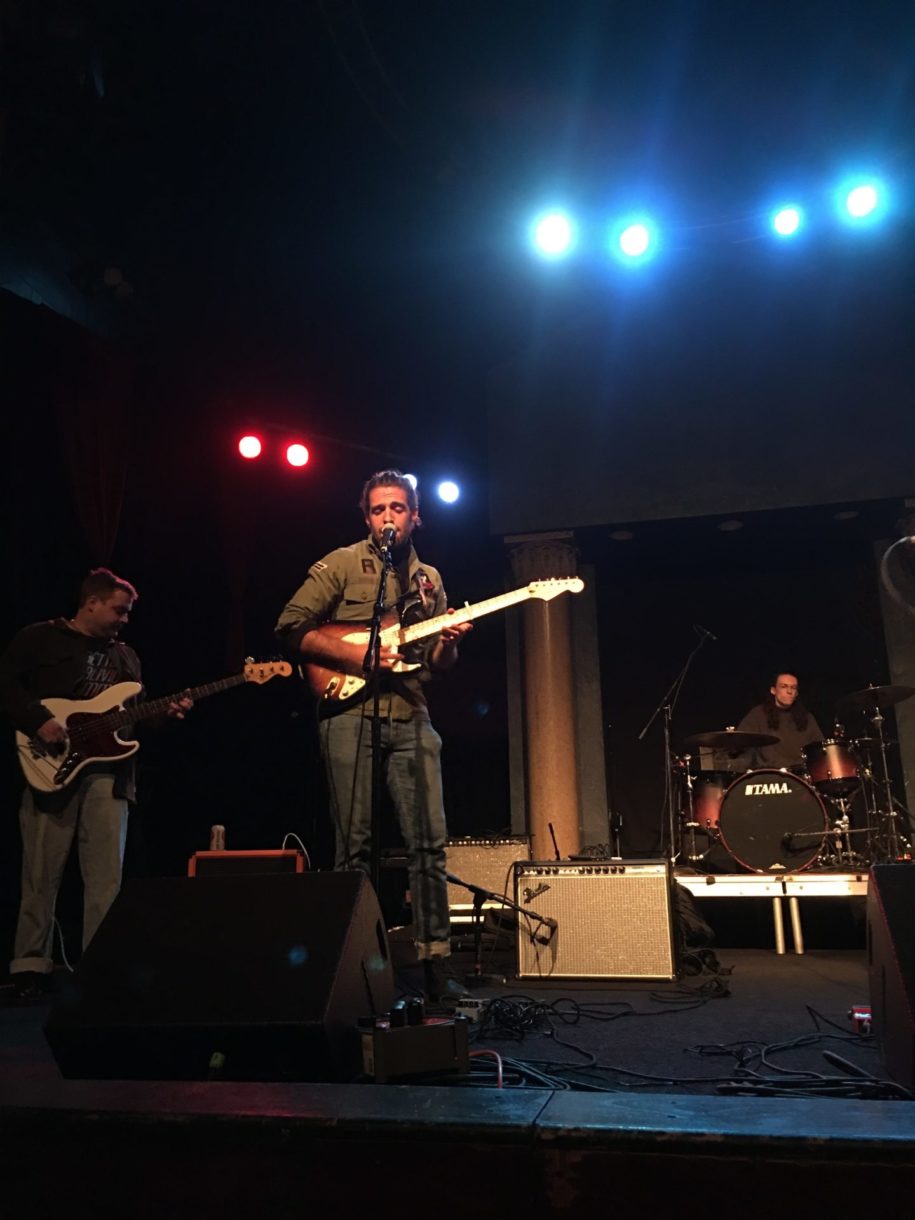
[[876, 697], [731, 739]]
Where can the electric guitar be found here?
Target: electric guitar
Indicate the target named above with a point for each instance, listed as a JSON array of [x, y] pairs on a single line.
[[327, 683], [92, 726]]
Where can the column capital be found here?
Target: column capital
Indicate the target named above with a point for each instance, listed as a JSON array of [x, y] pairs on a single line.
[[543, 557]]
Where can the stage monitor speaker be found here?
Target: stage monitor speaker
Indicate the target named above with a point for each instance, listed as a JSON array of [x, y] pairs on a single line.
[[607, 921], [487, 863], [244, 978], [891, 966]]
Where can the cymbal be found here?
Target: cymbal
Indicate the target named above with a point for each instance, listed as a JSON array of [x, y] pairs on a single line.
[[876, 696], [731, 739]]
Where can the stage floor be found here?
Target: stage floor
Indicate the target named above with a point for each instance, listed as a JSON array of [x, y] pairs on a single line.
[[689, 1037], [633, 1093]]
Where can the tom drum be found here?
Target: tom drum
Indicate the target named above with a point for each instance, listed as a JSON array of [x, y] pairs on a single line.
[[833, 766]]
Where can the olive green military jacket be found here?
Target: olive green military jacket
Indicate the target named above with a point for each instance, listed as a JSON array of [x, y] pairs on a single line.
[[341, 588]]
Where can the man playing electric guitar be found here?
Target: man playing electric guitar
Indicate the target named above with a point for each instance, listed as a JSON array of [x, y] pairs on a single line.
[[340, 589], [74, 658]]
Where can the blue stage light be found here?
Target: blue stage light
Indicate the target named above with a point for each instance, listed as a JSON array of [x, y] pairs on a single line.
[[633, 240], [787, 221], [553, 234], [862, 201]]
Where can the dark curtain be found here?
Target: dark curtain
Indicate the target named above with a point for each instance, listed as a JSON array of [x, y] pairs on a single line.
[[95, 390]]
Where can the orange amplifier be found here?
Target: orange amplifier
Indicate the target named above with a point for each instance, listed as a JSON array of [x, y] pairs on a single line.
[[244, 863]]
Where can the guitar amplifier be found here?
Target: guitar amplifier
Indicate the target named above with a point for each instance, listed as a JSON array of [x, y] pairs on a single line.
[[487, 863], [244, 863], [606, 921]]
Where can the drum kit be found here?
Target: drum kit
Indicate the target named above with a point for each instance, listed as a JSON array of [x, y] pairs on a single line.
[[836, 810]]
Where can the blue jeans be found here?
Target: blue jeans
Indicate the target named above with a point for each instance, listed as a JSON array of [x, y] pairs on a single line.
[[411, 762]]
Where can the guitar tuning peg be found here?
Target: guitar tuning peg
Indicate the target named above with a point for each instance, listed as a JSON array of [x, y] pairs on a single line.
[[249, 660]]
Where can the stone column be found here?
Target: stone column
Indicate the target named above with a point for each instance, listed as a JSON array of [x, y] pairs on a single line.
[[549, 708]]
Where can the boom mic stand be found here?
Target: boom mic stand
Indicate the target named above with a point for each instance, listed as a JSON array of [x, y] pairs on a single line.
[[481, 895], [667, 705]]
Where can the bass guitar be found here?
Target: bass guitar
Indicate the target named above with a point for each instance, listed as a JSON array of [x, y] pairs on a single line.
[[327, 683], [92, 726]]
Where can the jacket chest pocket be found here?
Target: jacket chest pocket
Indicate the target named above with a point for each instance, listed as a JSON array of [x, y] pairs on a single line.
[[359, 595]]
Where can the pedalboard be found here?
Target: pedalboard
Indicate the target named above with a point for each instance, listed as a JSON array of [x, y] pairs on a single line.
[[405, 1043]]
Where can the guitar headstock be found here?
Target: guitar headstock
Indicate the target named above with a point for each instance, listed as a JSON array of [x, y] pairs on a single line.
[[546, 590], [263, 671]]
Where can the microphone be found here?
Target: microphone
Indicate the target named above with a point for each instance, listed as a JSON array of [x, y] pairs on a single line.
[[545, 922], [388, 534], [706, 635], [787, 839]]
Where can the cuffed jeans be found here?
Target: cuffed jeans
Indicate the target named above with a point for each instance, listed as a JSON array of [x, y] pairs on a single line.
[[411, 761], [99, 820]]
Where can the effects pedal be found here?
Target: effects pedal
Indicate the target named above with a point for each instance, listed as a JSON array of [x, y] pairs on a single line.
[[407, 1043], [860, 1017]]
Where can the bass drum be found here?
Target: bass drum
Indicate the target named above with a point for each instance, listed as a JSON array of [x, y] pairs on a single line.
[[772, 821]]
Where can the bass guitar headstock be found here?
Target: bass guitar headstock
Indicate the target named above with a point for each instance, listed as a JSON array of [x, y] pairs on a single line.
[[263, 671]]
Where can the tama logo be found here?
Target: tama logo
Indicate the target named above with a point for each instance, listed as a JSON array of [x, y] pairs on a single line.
[[776, 789]]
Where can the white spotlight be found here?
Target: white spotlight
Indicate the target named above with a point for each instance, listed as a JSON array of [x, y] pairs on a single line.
[[635, 240], [787, 221], [862, 200], [448, 491], [553, 234]]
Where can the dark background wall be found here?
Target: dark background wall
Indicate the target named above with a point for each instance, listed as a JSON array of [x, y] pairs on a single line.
[[754, 379]]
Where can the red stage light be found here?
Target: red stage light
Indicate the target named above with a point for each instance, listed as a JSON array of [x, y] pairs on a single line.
[[296, 455], [250, 446]]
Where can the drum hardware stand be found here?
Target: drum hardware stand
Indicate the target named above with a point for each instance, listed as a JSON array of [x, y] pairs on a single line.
[[837, 846], [687, 822], [666, 706], [894, 844]]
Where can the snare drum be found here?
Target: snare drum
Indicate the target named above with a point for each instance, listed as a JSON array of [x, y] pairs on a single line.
[[771, 820], [833, 765]]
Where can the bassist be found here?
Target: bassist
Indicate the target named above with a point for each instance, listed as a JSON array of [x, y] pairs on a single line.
[[74, 658]]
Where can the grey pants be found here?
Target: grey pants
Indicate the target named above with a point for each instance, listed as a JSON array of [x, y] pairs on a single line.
[[99, 821], [411, 751]]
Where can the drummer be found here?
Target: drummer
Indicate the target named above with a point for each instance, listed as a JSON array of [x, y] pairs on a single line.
[[783, 714]]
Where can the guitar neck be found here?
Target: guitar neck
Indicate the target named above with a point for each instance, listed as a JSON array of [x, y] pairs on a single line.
[[157, 707], [465, 614]]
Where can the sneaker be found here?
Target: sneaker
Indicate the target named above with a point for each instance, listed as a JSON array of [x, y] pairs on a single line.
[[439, 983]]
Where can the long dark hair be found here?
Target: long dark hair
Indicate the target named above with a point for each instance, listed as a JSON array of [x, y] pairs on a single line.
[[799, 713]]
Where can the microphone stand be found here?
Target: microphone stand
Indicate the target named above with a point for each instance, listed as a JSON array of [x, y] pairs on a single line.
[[481, 895], [614, 816], [371, 671], [667, 705]]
